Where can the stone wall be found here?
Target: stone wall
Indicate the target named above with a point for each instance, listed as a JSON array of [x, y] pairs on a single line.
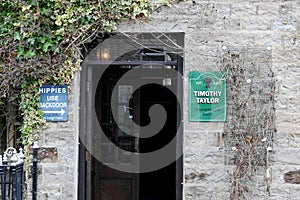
[[208, 26], [58, 157]]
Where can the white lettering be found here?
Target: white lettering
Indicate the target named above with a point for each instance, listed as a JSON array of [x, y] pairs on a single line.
[[207, 93], [53, 105], [52, 98], [57, 90], [207, 100]]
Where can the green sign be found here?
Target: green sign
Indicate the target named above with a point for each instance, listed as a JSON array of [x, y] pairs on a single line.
[[207, 96]]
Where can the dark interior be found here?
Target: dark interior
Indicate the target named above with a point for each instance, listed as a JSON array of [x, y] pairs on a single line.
[[160, 184], [156, 185]]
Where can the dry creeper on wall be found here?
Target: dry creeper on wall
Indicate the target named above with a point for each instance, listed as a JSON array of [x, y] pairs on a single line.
[[250, 125]]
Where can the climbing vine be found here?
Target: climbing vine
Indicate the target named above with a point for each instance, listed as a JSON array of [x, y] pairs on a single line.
[[40, 44], [250, 124]]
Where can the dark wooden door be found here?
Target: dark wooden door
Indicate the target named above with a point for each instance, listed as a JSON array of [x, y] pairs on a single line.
[[114, 115]]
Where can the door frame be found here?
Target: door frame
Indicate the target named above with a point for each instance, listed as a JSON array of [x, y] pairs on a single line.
[[84, 160]]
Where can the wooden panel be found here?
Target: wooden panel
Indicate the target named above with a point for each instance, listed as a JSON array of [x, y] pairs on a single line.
[[116, 189]]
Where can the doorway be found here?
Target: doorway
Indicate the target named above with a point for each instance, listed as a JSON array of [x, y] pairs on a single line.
[[98, 180], [159, 184]]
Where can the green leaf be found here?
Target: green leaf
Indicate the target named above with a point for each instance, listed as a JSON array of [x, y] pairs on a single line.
[[43, 39], [20, 51], [29, 53], [31, 41], [46, 46], [33, 2], [17, 36]]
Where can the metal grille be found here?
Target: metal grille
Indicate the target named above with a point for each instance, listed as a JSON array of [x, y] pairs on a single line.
[[250, 125], [11, 182], [11, 174]]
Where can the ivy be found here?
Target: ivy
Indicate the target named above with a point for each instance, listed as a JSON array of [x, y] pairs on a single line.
[[40, 40], [40, 44]]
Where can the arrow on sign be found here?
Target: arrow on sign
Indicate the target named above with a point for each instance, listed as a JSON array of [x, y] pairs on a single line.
[[61, 112]]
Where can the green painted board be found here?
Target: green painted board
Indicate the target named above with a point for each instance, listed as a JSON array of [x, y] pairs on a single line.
[[207, 96]]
